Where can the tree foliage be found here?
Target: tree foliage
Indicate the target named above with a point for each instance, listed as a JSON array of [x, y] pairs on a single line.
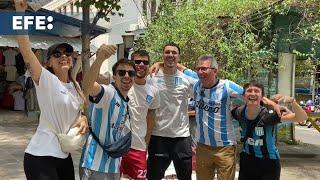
[[238, 32]]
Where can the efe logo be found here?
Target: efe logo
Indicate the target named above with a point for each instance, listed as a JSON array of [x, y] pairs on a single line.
[[23, 22]]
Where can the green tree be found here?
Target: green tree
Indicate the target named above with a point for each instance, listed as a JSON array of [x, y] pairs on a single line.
[[238, 32], [245, 35]]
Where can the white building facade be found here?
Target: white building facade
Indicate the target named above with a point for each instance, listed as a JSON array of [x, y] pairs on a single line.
[[135, 19]]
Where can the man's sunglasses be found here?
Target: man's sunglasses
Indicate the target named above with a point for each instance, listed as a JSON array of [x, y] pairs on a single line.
[[59, 54], [122, 73], [137, 62]]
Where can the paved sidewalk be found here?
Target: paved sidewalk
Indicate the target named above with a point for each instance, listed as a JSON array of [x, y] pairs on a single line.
[[16, 129], [300, 162]]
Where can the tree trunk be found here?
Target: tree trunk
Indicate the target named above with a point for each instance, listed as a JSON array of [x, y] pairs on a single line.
[[85, 54], [85, 36]]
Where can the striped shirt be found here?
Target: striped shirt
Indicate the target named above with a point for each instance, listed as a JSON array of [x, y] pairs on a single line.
[[108, 113], [213, 113], [260, 133]]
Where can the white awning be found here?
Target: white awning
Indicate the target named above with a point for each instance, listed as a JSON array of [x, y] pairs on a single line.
[[44, 42]]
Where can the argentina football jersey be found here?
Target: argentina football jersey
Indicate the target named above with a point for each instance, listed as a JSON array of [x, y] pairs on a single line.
[[214, 121], [212, 105], [108, 118]]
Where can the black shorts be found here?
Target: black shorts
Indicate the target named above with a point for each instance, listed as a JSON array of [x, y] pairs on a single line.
[[253, 168], [163, 150]]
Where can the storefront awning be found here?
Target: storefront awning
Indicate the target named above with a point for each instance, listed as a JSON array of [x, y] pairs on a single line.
[[64, 26], [44, 42]]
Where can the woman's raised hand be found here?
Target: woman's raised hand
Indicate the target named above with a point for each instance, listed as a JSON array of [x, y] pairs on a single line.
[[21, 5]]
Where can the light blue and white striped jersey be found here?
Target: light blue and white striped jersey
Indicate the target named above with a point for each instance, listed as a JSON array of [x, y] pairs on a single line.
[[213, 113], [108, 112]]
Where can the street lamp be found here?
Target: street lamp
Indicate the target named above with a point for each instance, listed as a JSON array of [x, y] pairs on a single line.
[[128, 41]]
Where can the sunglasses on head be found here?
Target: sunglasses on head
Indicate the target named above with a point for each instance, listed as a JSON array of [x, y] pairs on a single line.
[[58, 54], [137, 62], [122, 73]]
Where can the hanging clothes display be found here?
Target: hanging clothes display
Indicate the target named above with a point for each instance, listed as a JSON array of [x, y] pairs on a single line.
[[20, 65], [1, 57], [19, 101], [10, 57], [11, 73]]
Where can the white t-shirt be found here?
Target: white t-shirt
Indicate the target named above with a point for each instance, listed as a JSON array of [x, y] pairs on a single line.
[[59, 105], [172, 118], [142, 98]]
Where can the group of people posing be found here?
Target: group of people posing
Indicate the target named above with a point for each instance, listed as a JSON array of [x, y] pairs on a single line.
[[154, 108]]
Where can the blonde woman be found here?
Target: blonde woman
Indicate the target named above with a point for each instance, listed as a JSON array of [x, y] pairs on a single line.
[[60, 99]]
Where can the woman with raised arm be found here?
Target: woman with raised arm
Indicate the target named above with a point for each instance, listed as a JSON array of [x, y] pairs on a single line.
[[60, 100], [259, 158]]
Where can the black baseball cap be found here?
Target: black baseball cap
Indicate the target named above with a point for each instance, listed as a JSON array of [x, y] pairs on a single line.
[[53, 49]]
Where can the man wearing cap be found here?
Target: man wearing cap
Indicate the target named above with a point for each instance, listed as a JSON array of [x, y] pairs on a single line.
[[144, 99]]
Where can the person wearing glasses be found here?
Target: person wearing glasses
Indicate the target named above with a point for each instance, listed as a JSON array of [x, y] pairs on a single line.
[[108, 115], [170, 139], [215, 136], [144, 99], [60, 99]]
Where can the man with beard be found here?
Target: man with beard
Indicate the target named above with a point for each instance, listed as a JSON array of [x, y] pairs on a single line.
[[144, 99], [170, 140], [108, 116]]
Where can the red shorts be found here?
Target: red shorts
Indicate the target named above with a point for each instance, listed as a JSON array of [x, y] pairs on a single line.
[[134, 164]]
